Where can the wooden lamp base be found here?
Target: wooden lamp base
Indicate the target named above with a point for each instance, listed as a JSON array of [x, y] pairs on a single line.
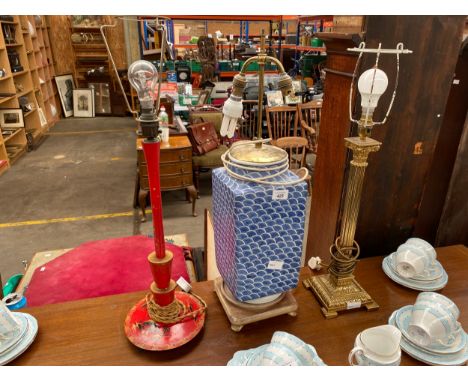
[[240, 314]]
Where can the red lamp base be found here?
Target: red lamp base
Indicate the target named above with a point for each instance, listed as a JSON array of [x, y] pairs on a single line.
[[149, 335]]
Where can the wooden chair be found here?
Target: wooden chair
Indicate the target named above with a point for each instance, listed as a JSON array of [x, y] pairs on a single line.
[[296, 147], [248, 123], [281, 121], [309, 122]]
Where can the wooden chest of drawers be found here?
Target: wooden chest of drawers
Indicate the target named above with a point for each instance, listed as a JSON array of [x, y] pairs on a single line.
[[175, 169]]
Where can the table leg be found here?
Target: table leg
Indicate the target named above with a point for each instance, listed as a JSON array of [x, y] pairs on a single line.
[[142, 194], [193, 196]]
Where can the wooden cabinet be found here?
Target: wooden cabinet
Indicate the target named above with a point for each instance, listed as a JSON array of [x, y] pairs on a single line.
[[176, 170]]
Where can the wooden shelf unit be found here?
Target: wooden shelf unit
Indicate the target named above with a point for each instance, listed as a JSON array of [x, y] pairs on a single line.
[[13, 146], [89, 54], [41, 65], [33, 49]]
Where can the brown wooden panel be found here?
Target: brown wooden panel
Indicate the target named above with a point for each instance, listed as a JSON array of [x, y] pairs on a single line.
[[445, 153], [397, 174], [61, 44], [454, 221], [331, 154]]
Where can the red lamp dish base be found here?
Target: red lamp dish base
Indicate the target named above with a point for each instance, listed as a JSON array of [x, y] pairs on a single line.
[[146, 334]]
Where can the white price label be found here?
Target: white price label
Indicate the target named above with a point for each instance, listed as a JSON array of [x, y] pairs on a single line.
[[184, 285], [275, 264], [280, 194], [353, 304], [456, 81]]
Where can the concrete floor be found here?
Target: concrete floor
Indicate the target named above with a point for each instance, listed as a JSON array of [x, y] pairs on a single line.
[[85, 167]]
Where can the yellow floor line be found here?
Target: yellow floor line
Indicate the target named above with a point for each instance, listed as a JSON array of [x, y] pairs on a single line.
[[71, 219], [89, 132]]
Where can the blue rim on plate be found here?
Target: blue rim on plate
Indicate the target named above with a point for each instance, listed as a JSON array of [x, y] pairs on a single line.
[[25, 342], [414, 284], [402, 320], [456, 359]]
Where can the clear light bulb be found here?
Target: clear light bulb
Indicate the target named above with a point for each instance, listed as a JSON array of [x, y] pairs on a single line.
[[372, 84], [143, 76]]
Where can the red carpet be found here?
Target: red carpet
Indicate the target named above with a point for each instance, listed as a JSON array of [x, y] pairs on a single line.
[[99, 268]]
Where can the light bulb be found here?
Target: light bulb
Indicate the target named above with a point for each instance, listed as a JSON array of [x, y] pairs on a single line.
[[232, 111], [372, 84], [143, 76]]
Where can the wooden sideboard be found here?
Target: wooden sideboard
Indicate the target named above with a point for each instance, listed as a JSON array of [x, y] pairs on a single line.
[[175, 170]]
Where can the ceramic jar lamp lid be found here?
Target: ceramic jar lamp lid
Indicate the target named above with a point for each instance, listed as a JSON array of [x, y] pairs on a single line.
[[252, 152]]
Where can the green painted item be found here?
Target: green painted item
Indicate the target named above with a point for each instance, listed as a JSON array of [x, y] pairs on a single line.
[[12, 283]]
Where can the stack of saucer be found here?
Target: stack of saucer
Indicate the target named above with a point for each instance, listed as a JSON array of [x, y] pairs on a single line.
[[283, 350], [17, 333], [431, 332], [414, 265]]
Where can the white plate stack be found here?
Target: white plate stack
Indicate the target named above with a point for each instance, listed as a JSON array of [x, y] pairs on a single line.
[[17, 333], [414, 265], [431, 332]]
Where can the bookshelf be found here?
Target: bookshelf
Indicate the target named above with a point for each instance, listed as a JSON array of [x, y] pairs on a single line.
[[28, 82]]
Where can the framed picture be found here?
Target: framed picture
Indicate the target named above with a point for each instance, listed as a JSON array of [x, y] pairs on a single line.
[[102, 100], [274, 98], [42, 117], [292, 99], [65, 86], [11, 118], [83, 103]]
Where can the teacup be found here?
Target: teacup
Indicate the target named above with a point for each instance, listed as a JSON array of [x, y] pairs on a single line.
[[436, 298], [378, 346], [9, 327], [303, 351], [432, 325], [424, 245], [411, 261]]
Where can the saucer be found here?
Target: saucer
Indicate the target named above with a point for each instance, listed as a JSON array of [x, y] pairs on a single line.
[[402, 320], [247, 357], [23, 324], [423, 286], [24, 343], [431, 274], [455, 359], [286, 356]]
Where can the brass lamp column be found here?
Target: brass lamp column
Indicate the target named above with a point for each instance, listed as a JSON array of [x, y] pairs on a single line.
[[338, 289]]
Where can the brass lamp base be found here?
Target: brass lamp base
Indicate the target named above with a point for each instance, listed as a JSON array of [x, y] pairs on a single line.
[[336, 295]]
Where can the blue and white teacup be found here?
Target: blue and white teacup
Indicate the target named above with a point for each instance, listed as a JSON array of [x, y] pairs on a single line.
[[439, 299], [411, 261], [424, 245], [9, 327], [432, 324], [378, 346]]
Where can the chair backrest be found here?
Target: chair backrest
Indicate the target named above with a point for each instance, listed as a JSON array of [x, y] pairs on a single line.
[[310, 113], [282, 121], [296, 148], [248, 123]]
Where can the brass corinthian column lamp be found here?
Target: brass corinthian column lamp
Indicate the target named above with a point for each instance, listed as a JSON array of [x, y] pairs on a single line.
[[338, 290]]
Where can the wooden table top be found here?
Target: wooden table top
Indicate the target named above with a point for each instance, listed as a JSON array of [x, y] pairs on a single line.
[[90, 332], [175, 142]]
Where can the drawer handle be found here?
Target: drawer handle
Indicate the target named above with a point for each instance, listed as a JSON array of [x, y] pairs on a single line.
[[182, 157], [182, 171]]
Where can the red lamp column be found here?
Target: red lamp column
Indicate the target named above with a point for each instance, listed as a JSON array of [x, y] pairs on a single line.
[[160, 261]]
